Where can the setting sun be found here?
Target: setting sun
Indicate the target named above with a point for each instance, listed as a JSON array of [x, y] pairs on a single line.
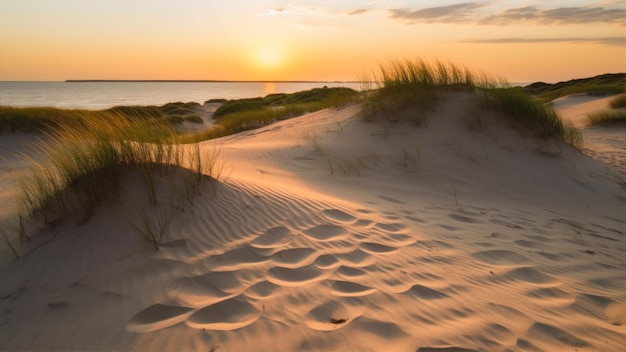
[[269, 57]]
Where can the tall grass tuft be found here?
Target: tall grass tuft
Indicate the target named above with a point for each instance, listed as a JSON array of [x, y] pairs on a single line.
[[245, 114], [408, 90], [528, 114], [82, 165], [619, 101], [609, 117]]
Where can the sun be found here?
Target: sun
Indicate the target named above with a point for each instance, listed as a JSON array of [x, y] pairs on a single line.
[[269, 57]]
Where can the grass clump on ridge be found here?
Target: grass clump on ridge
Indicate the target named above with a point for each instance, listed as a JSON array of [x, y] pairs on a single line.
[[529, 114], [317, 97], [80, 166], [607, 118], [407, 90], [38, 119], [244, 114], [41, 119], [606, 84], [619, 101]]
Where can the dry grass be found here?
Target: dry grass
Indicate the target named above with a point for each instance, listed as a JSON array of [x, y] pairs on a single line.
[[409, 90], [82, 165]]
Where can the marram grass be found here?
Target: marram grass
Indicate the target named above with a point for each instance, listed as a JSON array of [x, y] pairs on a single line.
[[618, 101], [81, 165], [407, 90], [609, 117]]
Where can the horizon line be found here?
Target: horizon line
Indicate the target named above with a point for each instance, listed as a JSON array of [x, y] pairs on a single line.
[[203, 81]]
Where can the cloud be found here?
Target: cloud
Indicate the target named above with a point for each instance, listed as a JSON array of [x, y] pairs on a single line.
[[474, 13], [358, 12], [561, 15], [451, 13], [274, 11], [613, 41]]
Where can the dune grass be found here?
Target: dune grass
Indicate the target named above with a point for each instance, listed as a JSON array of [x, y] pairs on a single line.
[[245, 114], [609, 117], [42, 119], [606, 84], [82, 165], [618, 101], [528, 114], [407, 90], [317, 97]]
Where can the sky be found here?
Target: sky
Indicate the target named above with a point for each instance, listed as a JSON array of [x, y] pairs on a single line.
[[331, 40]]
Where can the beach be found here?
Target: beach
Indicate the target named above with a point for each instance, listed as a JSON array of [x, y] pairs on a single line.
[[326, 232]]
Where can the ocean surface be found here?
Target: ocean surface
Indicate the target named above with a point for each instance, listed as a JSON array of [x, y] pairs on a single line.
[[103, 95]]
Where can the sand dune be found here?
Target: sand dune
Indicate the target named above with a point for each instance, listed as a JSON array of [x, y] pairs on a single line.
[[331, 233]]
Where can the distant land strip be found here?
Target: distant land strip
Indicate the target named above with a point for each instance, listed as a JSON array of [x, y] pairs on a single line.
[[196, 81]]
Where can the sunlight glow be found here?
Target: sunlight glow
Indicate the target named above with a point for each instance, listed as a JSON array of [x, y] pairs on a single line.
[[269, 57]]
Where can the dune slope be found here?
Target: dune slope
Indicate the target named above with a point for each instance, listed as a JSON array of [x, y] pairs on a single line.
[[331, 233]]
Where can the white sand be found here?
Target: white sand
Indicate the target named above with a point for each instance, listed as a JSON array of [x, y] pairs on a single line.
[[331, 233]]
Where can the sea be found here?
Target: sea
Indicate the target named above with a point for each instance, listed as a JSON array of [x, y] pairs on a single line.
[[97, 95]]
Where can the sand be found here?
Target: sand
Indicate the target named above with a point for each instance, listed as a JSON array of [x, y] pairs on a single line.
[[330, 233]]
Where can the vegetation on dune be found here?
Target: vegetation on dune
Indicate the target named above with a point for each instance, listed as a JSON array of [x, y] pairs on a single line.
[[616, 115], [86, 155], [606, 84], [529, 114], [619, 101], [609, 117], [81, 165], [41, 119], [244, 114], [407, 90], [325, 97]]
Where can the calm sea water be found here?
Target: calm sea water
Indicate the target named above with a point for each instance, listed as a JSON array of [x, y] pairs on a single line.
[[102, 95]]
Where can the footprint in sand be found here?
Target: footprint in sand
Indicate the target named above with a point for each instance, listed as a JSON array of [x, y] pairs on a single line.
[[326, 233], [348, 272], [350, 289], [261, 290], [356, 258], [550, 295], [500, 257], [295, 277], [326, 261], [272, 238], [338, 216], [391, 226], [377, 248], [545, 331], [463, 219], [198, 291], [530, 275], [424, 292], [158, 316], [236, 258], [363, 223], [331, 315], [294, 258], [231, 314]]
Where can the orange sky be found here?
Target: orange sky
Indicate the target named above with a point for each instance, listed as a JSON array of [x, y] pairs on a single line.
[[524, 41]]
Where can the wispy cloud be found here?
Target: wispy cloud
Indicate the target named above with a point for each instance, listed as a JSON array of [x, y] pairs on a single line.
[[616, 41], [451, 13], [561, 15], [477, 13], [290, 10], [358, 12]]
